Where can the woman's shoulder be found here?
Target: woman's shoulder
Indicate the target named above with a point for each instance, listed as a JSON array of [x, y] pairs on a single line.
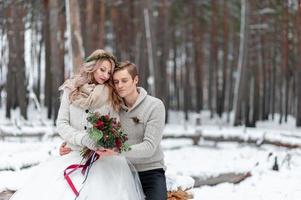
[[68, 85], [102, 88]]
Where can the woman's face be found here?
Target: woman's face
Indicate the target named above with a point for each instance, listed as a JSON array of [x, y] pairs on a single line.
[[124, 84], [103, 73]]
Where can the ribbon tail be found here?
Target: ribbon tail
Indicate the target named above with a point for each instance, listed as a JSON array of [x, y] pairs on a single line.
[[90, 162]]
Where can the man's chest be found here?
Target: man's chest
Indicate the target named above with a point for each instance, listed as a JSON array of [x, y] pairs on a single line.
[[133, 125]]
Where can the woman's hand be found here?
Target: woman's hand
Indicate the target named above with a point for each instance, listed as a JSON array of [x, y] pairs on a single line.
[[107, 152], [64, 149]]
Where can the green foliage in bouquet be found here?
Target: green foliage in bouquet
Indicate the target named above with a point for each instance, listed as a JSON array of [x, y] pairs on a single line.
[[106, 132]]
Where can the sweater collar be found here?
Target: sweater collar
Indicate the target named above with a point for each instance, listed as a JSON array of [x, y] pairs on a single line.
[[141, 96]]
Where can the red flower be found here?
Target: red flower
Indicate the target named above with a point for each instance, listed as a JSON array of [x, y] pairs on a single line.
[[99, 124], [107, 117], [118, 143]]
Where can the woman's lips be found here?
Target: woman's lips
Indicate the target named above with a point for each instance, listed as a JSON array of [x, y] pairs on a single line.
[[101, 80]]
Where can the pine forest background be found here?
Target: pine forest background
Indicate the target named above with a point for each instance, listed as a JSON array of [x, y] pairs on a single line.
[[239, 57]]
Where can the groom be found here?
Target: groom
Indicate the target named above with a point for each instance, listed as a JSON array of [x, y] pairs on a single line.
[[142, 118]]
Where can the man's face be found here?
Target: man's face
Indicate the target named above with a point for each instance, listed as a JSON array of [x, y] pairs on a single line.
[[124, 83]]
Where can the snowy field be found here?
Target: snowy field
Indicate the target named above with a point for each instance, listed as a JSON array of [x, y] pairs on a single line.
[[207, 159]]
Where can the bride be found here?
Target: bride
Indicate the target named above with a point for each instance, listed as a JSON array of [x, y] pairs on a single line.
[[110, 177]]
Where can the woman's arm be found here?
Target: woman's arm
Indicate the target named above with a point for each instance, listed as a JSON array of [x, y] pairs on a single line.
[[66, 131]]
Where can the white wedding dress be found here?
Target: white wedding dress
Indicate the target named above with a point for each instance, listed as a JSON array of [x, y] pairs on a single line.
[[109, 178]]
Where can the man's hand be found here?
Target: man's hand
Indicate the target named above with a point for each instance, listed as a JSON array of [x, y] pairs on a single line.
[[106, 152], [64, 149]]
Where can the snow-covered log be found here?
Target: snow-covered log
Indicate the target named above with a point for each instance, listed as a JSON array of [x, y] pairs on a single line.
[[250, 140], [221, 178], [280, 140], [195, 137], [5, 195]]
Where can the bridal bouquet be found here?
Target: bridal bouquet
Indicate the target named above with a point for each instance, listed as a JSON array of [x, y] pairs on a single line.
[[106, 132]]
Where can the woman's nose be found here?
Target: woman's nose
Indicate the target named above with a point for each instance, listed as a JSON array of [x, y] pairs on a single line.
[[107, 75]]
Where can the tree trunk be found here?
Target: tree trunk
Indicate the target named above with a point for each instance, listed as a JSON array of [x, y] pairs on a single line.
[[175, 81], [298, 77], [48, 74], [16, 80], [256, 93], [57, 54], [285, 59], [162, 33], [21, 80], [75, 36], [234, 52], [150, 48], [94, 25], [11, 67], [213, 60], [221, 108], [240, 86], [198, 34]]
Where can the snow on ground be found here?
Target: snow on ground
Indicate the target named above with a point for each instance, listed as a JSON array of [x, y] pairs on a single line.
[[184, 159], [264, 183], [284, 185], [16, 159], [208, 159]]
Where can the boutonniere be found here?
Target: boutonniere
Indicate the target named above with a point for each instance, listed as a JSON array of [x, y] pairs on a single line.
[[135, 120]]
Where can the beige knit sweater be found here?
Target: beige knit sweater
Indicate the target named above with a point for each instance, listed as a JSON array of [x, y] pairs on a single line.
[[144, 123]]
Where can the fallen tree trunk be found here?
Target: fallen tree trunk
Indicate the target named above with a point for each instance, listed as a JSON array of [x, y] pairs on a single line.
[[179, 195], [256, 141], [221, 178], [5, 195], [198, 135], [24, 166]]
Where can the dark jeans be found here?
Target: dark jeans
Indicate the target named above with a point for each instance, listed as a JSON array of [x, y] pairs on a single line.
[[154, 184]]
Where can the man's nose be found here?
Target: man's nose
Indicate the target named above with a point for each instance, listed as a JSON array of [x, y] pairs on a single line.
[[119, 85]]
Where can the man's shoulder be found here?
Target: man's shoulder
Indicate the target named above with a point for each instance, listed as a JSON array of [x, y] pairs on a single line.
[[151, 100]]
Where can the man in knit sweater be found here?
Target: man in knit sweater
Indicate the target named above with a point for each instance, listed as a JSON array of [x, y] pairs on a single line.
[[142, 118]]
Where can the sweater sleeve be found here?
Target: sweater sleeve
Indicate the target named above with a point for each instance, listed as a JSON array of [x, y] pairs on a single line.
[[152, 135], [65, 130]]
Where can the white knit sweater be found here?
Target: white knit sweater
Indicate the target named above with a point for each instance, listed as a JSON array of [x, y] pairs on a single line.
[[71, 120]]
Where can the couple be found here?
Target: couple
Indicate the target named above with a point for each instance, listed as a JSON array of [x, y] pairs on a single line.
[[102, 86]]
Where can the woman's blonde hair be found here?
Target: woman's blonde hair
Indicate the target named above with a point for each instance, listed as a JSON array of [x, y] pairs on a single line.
[[85, 75]]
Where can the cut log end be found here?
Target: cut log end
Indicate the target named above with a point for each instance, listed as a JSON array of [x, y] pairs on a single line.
[[179, 195]]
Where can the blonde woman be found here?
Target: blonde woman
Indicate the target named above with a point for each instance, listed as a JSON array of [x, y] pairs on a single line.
[[110, 177]]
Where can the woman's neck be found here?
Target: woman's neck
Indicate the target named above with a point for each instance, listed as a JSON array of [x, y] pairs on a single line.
[[131, 99]]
